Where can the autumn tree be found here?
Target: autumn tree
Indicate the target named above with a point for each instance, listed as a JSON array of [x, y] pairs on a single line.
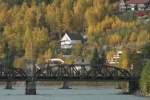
[[124, 60], [67, 21], [115, 39]]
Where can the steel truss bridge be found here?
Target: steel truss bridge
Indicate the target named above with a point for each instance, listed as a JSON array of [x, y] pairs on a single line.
[[70, 72]]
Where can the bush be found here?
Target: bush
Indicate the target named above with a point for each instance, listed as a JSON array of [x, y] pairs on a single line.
[[145, 78]]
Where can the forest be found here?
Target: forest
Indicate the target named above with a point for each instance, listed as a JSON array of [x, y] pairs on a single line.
[[33, 28]]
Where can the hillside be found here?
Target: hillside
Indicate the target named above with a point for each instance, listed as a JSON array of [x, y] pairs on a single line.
[[34, 27]]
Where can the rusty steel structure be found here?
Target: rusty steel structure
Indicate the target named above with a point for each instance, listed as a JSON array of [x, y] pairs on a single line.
[[71, 72]]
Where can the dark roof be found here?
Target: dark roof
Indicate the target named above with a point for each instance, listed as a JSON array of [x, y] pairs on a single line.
[[75, 36], [137, 1]]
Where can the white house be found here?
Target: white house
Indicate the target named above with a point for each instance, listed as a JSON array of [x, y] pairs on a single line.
[[133, 5], [70, 39]]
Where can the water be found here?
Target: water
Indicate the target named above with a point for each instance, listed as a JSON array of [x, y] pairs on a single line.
[[77, 93]]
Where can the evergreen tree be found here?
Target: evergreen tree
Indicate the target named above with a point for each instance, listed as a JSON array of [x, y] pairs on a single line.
[[146, 51], [95, 59], [9, 56], [145, 78], [103, 58]]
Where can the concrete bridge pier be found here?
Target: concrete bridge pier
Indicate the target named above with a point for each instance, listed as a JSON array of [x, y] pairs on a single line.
[[31, 80], [65, 85], [8, 84], [133, 85], [30, 87]]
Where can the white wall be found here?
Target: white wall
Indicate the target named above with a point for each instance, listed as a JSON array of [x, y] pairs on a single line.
[[66, 42]]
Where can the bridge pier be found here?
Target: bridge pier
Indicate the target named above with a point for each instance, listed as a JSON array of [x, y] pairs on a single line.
[[65, 85], [133, 85], [8, 84], [30, 87]]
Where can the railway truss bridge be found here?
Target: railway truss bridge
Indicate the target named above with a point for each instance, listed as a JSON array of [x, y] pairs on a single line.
[[65, 73]]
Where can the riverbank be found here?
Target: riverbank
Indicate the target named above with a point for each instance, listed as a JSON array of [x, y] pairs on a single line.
[[141, 93]]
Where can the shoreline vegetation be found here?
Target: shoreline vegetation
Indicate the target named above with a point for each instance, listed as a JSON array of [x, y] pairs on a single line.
[[141, 93]]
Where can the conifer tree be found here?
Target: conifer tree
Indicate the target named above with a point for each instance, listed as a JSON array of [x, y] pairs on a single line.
[[95, 59], [9, 57]]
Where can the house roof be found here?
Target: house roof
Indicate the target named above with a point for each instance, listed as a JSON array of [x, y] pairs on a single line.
[[137, 1], [75, 36]]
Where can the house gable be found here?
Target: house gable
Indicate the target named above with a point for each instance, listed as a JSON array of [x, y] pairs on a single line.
[[66, 42], [65, 38], [122, 3]]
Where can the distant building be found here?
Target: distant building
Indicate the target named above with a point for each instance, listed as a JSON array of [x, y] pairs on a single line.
[[70, 39], [134, 5], [122, 6]]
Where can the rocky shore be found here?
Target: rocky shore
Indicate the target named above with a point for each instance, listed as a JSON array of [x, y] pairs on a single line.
[[141, 93]]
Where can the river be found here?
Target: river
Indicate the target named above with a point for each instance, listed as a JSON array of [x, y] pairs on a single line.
[[76, 93]]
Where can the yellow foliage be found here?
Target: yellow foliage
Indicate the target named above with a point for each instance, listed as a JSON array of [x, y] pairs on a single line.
[[125, 63], [115, 39], [90, 30], [48, 54], [3, 16], [29, 50], [105, 24], [122, 24], [40, 59], [1, 51], [143, 37], [60, 55], [69, 60], [133, 37], [19, 62], [110, 55], [80, 7], [77, 49], [67, 20], [90, 16], [124, 60], [43, 58], [78, 45]]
